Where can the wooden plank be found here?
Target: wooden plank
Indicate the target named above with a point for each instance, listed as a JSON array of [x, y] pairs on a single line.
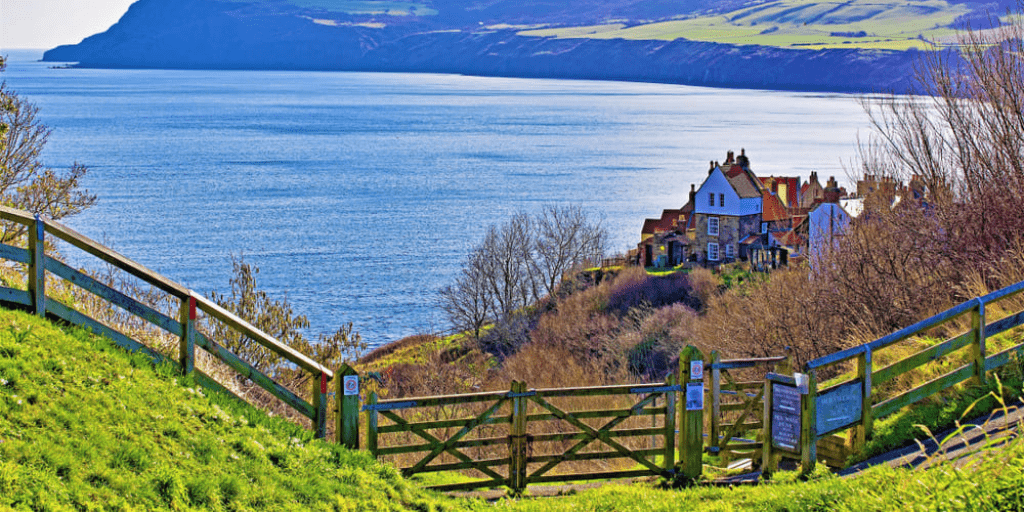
[[371, 426], [430, 425], [213, 309], [248, 371], [114, 258], [74, 317], [618, 413], [471, 443], [458, 466], [113, 296], [14, 215], [716, 399], [732, 364], [583, 435], [15, 296], [594, 390], [808, 423], [447, 445], [1004, 293], [742, 447], [996, 360], [467, 486], [980, 350], [752, 425], [670, 428], [576, 457], [925, 356], [934, 386], [607, 475], [434, 401], [1004, 324], [736, 407], [18, 254]]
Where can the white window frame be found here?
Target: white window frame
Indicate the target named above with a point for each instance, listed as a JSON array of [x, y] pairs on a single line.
[[713, 221], [713, 251], [729, 253]]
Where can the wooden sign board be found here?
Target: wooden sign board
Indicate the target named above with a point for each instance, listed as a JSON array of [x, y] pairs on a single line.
[[785, 417], [838, 408]]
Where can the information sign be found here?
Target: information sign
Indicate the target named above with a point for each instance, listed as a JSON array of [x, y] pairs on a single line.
[[785, 417], [695, 396]]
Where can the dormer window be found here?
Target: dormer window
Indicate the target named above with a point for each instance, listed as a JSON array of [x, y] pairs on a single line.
[[721, 200], [711, 198]]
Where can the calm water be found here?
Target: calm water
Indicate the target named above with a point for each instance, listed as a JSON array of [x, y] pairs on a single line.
[[358, 194]]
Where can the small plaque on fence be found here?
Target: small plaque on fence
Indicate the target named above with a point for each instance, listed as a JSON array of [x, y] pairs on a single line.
[[695, 396], [350, 385], [839, 407], [785, 417], [696, 370]]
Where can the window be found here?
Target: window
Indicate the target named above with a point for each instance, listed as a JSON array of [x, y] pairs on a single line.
[[712, 251], [721, 200], [711, 198], [764, 228], [728, 252], [713, 226]]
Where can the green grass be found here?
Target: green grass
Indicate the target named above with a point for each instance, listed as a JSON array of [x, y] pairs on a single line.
[[796, 23], [85, 425]]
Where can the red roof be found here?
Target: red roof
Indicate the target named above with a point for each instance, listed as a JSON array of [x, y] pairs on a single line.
[[649, 226], [772, 208], [788, 238]]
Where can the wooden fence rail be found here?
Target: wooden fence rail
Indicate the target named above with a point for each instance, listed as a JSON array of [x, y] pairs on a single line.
[[184, 327], [735, 412]]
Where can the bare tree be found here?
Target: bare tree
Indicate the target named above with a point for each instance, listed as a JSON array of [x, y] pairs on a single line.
[[505, 257], [466, 302], [24, 182], [565, 239]]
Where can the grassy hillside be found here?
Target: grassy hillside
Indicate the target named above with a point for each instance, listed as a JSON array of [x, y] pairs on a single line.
[[85, 425], [809, 24]]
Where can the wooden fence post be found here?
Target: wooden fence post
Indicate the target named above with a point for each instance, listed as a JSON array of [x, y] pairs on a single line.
[[980, 352], [346, 396], [517, 440], [187, 348], [691, 415], [36, 266], [371, 424], [320, 406], [769, 463], [670, 426], [716, 403], [867, 419], [809, 428]]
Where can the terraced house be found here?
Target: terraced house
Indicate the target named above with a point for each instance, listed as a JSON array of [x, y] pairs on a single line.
[[727, 210]]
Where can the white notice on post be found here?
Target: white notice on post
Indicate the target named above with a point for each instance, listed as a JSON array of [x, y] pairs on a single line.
[[350, 385], [695, 396]]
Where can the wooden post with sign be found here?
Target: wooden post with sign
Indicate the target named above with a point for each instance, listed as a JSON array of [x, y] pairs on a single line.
[[691, 415], [809, 425], [783, 401], [346, 396]]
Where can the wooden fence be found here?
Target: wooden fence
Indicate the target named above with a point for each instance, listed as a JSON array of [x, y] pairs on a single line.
[[184, 327], [522, 436], [856, 403]]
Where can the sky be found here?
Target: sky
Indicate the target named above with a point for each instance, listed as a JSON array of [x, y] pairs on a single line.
[[48, 23]]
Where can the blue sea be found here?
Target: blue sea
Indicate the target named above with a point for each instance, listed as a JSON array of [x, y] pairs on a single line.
[[359, 194]]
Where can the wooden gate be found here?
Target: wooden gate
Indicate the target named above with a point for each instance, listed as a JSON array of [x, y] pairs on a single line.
[[737, 407], [523, 437]]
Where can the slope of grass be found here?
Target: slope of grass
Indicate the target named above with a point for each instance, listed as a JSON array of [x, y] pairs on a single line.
[[811, 24], [85, 425]]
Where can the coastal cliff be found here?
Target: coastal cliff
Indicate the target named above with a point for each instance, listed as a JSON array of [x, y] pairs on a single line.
[[199, 34]]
